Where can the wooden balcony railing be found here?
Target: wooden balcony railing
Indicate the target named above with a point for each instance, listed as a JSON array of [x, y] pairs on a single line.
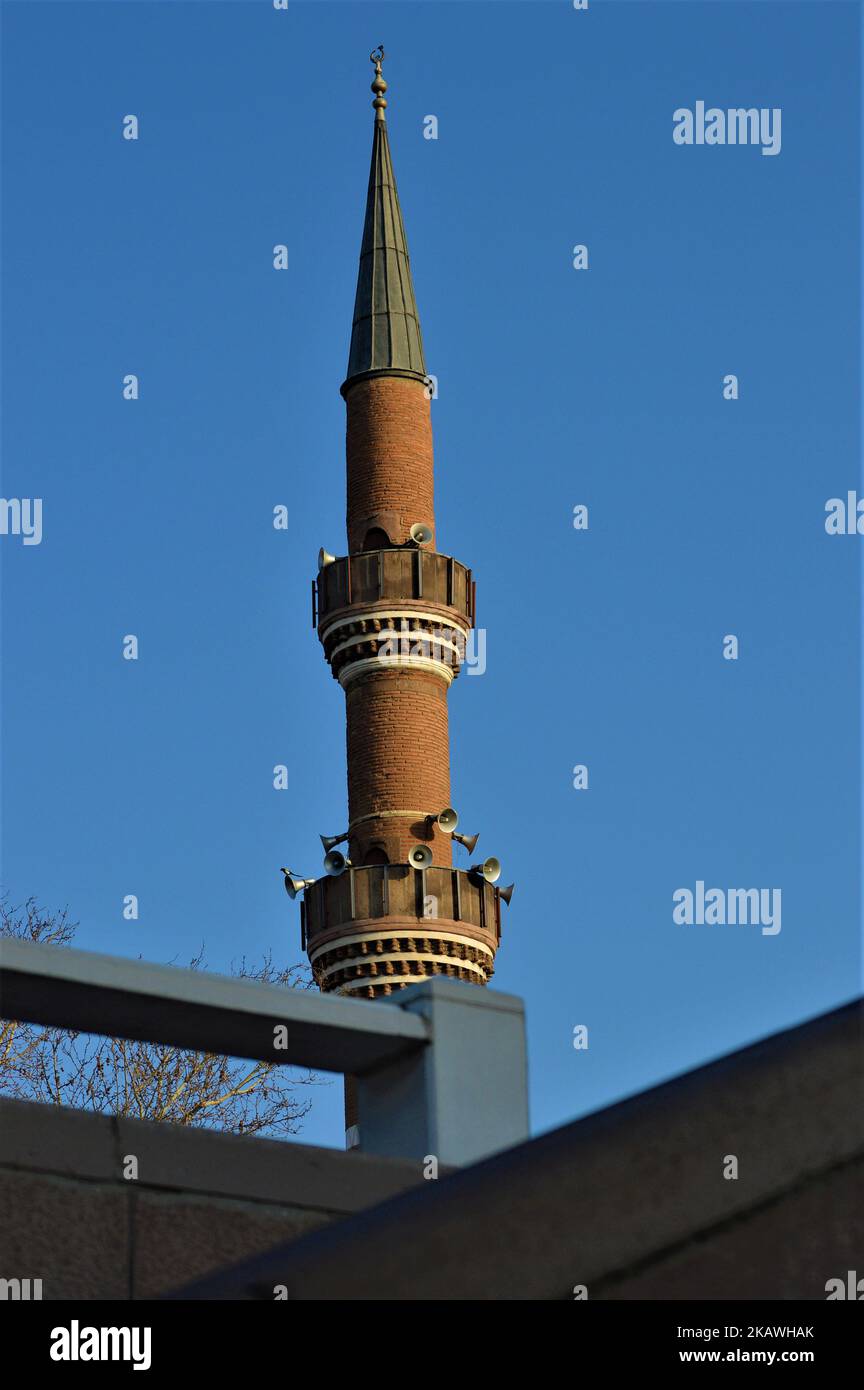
[[397, 891], [396, 575]]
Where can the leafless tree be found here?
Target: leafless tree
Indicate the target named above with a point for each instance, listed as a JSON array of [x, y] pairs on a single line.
[[148, 1081]]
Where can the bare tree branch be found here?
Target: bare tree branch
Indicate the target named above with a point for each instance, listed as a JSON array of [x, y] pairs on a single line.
[[147, 1080]]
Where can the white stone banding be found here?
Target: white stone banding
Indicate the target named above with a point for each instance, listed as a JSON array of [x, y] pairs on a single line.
[[468, 965], [439, 640], [441, 618], [374, 983], [369, 939], [353, 669]]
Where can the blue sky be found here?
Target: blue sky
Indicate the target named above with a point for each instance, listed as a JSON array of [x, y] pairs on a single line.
[[556, 387]]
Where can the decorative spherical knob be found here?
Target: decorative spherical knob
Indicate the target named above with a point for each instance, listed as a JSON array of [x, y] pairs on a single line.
[[379, 86]]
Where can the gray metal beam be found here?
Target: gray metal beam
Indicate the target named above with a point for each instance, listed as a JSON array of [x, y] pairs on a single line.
[[462, 1099], [206, 1012]]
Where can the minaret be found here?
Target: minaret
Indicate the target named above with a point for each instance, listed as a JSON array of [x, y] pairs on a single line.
[[393, 617]]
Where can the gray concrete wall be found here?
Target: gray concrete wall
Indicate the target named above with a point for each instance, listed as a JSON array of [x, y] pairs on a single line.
[[201, 1200], [631, 1202]]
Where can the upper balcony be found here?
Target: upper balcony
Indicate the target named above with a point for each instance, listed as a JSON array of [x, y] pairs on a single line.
[[404, 575]]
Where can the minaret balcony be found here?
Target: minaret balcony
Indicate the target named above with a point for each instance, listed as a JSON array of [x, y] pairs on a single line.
[[382, 927], [400, 607], [399, 574]]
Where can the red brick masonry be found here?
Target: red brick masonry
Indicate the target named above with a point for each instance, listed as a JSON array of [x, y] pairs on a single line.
[[389, 454], [398, 759]]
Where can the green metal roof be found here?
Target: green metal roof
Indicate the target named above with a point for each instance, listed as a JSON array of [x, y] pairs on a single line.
[[385, 336]]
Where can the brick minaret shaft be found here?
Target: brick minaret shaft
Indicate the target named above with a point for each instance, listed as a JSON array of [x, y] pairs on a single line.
[[398, 737], [388, 920], [397, 730]]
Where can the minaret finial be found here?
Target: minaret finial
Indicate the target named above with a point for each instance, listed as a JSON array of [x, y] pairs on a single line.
[[379, 86]]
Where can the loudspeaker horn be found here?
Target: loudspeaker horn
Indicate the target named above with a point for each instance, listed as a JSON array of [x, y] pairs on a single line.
[[420, 533], [420, 857], [446, 820], [294, 884], [490, 869], [324, 559], [506, 893], [469, 841], [331, 841], [336, 863]]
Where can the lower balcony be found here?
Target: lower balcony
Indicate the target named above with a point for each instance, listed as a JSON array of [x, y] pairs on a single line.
[[382, 927]]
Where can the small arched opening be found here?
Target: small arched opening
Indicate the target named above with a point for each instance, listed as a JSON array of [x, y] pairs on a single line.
[[376, 539], [376, 854]]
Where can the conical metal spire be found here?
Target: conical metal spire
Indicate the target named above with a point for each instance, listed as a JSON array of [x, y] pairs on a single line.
[[385, 336]]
